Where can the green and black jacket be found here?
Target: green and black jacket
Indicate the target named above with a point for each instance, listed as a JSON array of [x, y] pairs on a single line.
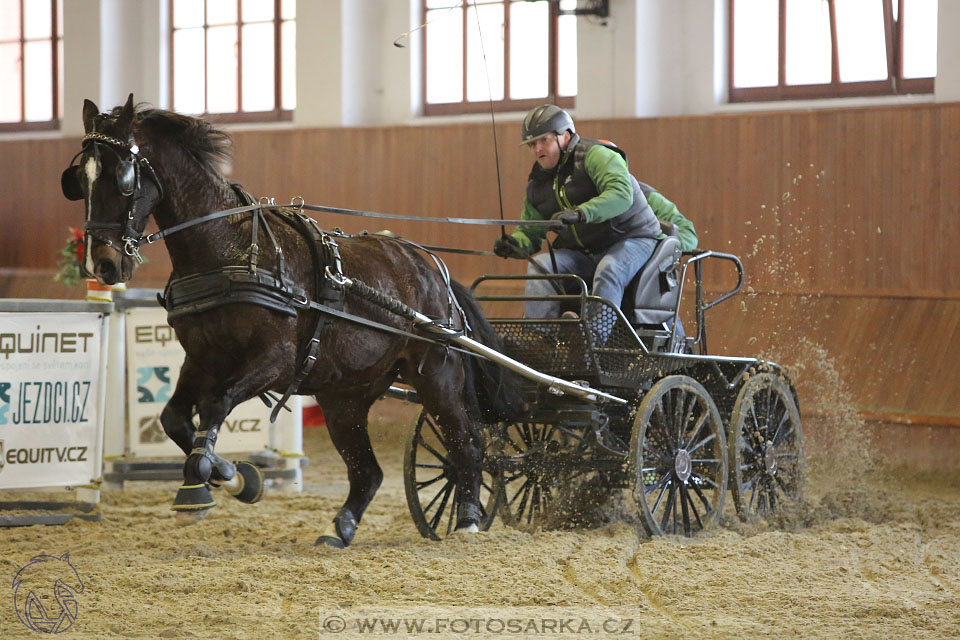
[[592, 177], [668, 212]]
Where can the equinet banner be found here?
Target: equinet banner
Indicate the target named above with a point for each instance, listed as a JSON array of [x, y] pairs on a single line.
[[49, 388]]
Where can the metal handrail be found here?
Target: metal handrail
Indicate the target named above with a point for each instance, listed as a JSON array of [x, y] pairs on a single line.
[[697, 259]]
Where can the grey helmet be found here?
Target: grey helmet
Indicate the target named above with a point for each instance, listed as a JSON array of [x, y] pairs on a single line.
[[547, 118]]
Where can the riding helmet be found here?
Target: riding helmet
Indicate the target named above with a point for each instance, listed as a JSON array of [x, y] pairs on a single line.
[[547, 118]]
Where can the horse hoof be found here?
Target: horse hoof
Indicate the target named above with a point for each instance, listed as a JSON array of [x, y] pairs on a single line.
[[247, 485], [330, 541], [187, 518], [194, 497], [470, 528], [331, 537]]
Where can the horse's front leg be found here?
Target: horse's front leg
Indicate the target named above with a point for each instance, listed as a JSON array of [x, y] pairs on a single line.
[[203, 467], [177, 421]]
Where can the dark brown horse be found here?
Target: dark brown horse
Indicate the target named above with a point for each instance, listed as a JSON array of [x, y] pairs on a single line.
[[137, 162]]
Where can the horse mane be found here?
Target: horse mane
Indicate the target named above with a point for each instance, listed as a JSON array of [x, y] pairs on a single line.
[[207, 144]]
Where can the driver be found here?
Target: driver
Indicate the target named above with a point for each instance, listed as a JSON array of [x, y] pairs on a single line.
[[606, 230]]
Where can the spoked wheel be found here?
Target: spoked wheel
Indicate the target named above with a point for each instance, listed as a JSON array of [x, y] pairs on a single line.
[[430, 482], [536, 462], [766, 448], [678, 461]]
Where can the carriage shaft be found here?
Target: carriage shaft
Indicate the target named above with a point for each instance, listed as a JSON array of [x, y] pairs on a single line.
[[555, 385]]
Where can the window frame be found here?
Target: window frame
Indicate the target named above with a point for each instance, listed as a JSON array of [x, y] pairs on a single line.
[[506, 104], [278, 113], [56, 38], [894, 84]]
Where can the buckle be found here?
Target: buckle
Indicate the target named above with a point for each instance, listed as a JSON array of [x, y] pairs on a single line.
[[338, 279], [300, 300], [132, 248]]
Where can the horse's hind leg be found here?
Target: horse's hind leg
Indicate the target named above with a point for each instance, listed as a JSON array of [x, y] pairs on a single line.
[[442, 395], [347, 424]]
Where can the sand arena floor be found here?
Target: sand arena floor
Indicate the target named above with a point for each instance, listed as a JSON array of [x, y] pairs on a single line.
[[872, 554]]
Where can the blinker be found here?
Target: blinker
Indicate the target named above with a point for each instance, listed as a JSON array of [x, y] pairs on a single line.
[[126, 177], [70, 180], [70, 183]]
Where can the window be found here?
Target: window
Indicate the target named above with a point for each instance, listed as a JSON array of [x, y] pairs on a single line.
[[530, 50], [234, 60], [787, 49], [31, 46]]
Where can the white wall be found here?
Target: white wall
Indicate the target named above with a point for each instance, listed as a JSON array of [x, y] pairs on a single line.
[[649, 58], [81, 60], [947, 87]]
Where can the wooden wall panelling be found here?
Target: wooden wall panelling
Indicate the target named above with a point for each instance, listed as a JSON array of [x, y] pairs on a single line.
[[34, 214], [893, 355], [850, 179], [885, 306], [819, 176], [806, 265], [946, 165], [918, 204]]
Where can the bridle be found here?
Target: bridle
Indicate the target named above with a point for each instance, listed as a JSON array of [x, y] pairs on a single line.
[[130, 166]]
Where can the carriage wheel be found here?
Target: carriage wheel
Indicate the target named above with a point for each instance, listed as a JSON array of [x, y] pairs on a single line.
[[766, 448], [431, 485], [536, 463], [678, 458]]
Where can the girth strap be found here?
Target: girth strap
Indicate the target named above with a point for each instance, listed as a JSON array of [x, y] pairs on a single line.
[[231, 285]]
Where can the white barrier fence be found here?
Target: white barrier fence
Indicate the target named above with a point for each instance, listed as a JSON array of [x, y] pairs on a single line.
[[145, 347], [53, 356], [82, 385]]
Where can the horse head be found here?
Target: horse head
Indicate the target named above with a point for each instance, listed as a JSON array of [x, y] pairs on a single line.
[[119, 188]]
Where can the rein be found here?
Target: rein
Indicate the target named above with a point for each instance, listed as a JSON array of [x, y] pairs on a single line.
[[298, 203], [393, 216]]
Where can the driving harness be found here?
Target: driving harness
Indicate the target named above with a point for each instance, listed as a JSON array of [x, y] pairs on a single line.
[[249, 284], [272, 289]]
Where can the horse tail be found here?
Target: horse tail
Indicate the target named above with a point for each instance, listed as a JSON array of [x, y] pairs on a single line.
[[491, 391]]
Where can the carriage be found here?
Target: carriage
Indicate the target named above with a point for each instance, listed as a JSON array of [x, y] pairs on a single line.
[[687, 426]]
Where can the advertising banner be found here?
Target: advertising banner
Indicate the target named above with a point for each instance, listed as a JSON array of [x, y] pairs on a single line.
[[154, 358], [50, 421]]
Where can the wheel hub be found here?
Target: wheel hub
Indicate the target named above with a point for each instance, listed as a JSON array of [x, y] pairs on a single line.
[[682, 465], [770, 459]]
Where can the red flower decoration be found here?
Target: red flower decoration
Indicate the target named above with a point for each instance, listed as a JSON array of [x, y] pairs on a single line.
[[78, 239], [71, 257]]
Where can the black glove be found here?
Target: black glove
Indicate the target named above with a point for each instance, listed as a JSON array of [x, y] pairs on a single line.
[[566, 218], [508, 247]]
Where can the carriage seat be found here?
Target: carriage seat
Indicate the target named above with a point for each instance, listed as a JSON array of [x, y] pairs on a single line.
[[652, 295]]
